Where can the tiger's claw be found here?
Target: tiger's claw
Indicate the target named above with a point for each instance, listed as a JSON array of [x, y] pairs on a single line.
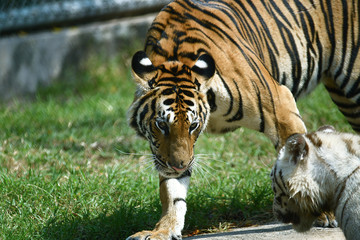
[[155, 235], [326, 220]]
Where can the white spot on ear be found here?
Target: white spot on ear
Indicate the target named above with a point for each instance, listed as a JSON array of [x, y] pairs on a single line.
[[201, 64], [328, 130], [145, 62]]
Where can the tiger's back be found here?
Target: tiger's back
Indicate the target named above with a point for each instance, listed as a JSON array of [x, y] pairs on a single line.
[[296, 43], [319, 172]]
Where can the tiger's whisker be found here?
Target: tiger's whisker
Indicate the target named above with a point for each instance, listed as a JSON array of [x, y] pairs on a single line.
[[134, 154]]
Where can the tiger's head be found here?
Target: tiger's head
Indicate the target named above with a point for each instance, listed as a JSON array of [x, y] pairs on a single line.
[[170, 109], [298, 197]]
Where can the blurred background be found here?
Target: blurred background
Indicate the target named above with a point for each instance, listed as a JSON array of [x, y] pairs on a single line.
[[40, 40]]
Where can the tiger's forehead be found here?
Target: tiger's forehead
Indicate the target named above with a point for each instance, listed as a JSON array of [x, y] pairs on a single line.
[[174, 76], [176, 117], [174, 40], [177, 106]]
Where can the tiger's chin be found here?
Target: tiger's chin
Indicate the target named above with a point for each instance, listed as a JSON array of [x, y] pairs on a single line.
[[301, 221], [169, 173], [304, 225]]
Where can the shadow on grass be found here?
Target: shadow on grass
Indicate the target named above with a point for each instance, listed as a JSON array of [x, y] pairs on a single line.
[[117, 225], [126, 221], [215, 213]]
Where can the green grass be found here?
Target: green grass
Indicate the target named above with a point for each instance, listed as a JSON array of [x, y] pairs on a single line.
[[64, 174]]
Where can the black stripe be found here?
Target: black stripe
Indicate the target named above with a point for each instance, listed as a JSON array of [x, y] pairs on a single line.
[[174, 79], [188, 93], [189, 103], [153, 108], [329, 22], [172, 85], [354, 90], [178, 200], [351, 114], [207, 24], [355, 126], [335, 91], [261, 112], [291, 11], [303, 19], [306, 20], [278, 10], [263, 23], [275, 72], [230, 95], [183, 6], [152, 42], [175, 15], [283, 182], [353, 193], [345, 105], [291, 48], [343, 186], [169, 101], [194, 40], [320, 56], [344, 27], [209, 38], [211, 99], [143, 99], [244, 21], [239, 114], [204, 10], [354, 53], [144, 111], [221, 33], [279, 175], [184, 70]]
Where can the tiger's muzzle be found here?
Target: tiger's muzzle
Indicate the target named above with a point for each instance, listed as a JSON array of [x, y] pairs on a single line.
[[172, 170]]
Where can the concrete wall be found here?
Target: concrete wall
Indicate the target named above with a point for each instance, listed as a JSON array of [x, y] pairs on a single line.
[[30, 61]]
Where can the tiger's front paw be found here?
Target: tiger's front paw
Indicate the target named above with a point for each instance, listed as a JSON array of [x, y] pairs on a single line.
[[326, 220], [155, 235]]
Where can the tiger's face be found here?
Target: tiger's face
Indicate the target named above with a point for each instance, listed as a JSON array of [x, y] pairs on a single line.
[[287, 210], [295, 191], [170, 109]]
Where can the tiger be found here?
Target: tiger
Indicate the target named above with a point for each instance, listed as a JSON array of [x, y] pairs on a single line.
[[221, 65], [317, 172]]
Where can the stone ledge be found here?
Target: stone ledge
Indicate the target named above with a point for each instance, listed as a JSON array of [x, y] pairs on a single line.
[[32, 61]]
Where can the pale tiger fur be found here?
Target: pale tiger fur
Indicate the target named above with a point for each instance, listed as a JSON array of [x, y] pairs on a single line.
[[315, 173], [220, 65]]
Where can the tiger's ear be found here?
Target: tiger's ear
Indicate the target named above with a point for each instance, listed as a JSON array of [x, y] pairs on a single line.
[[142, 70], [327, 129], [204, 70], [296, 148]]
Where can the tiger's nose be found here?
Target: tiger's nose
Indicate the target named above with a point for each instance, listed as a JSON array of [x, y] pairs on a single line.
[[179, 167]]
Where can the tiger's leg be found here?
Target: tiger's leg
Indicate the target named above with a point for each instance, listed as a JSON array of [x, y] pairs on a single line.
[[172, 195], [326, 219]]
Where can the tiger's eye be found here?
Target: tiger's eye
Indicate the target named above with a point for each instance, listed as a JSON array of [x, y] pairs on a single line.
[[162, 126], [193, 126]]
